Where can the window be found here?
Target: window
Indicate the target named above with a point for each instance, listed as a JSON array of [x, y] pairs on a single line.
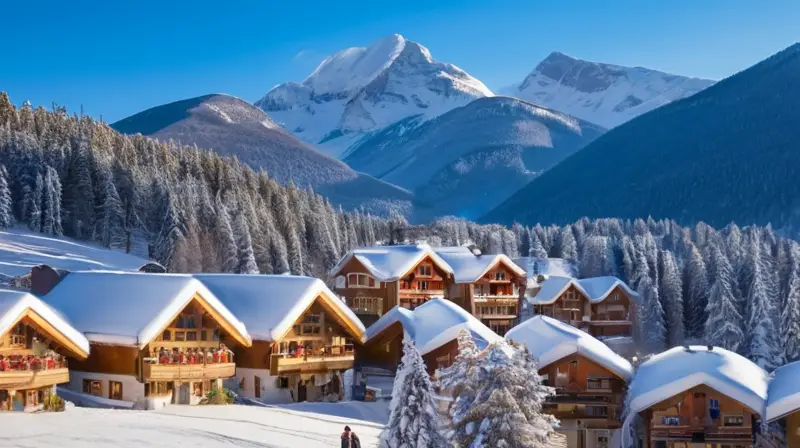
[[371, 305], [671, 420], [115, 390], [358, 280], [166, 335], [424, 270], [598, 383], [500, 275], [17, 336], [203, 335], [423, 285], [733, 420], [283, 382], [180, 336], [257, 386], [191, 335], [93, 387]]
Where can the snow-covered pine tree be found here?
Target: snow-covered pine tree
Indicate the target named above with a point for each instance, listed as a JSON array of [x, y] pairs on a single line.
[[568, 248], [224, 238], [671, 293], [54, 192], [593, 256], [724, 323], [507, 406], [35, 206], [695, 294], [112, 232], [536, 248], [246, 260], [6, 206], [790, 317], [413, 417], [653, 327], [48, 202], [762, 338]]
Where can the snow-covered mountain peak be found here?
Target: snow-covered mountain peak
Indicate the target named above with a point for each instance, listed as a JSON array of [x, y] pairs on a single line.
[[364, 89], [605, 94]]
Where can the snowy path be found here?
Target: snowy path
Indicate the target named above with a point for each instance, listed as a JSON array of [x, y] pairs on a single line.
[[206, 426]]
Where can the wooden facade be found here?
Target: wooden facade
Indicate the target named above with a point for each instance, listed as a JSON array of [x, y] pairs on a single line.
[[588, 395], [33, 359], [700, 416], [610, 317], [370, 297], [385, 350], [320, 342], [495, 298]]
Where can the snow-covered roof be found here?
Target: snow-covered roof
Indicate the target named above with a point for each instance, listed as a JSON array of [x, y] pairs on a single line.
[[131, 308], [784, 391], [595, 289], [678, 369], [390, 263], [546, 266], [270, 304], [14, 305], [434, 324], [549, 340], [468, 267]]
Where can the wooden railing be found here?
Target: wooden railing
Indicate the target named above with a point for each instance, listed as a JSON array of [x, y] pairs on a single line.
[[29, 371], [333, 357], [172, 372]]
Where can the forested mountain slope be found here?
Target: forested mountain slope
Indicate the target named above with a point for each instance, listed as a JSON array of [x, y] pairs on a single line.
[[233, 127], [728, 153]]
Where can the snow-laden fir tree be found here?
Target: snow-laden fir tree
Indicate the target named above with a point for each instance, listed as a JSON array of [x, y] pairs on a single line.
[[112, 233], [653, 327], [54, 193], [453, 379], [568, 248], [245, 259], [695, 294], [671, 293], [594, 257], [413, 417], [536, 248], [790, 317], [225, 240], [724, 324], [35, 206], [762, 337], [6, 206], [506, 410]]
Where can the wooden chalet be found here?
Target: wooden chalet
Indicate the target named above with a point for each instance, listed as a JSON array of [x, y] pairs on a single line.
[[783, 402], [602, 306], [699, 397], [490, 287], [304, 336], [35, 342], [434, 327], [375, 280], [155, 339], [589, 378]]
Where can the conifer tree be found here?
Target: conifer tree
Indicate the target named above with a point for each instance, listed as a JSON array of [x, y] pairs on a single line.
[[790, 317], [35, 206], [762, 340], [246, 260], [6, 206], [724, 323], [536, 248], [695, 294], [413, 418], [567, 245], [224, 237], [670, 291]]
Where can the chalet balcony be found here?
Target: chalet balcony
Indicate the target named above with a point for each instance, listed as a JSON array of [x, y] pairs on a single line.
[[30, 372], [193, 365], [421, 292], [584, 413], [492, 297], [682, 426], [322, 360]]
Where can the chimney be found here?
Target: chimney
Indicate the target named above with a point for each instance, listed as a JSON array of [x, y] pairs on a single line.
[[44, 278], [710, 348]]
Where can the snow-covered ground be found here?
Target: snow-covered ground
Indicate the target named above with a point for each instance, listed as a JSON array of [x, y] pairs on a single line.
[[22, 249], [307, 425]]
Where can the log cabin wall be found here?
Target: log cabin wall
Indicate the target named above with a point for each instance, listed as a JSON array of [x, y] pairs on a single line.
[[441, 357], [255, 357], [369, 303], [112, 359], [384, 350]]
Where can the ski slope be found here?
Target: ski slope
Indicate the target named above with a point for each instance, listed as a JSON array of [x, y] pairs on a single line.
[[205, 426], [21, 249]]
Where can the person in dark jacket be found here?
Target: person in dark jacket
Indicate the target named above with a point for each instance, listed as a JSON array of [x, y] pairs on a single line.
[[350, 439]]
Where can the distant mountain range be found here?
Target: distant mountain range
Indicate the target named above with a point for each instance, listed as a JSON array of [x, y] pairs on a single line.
[[231, 126], [728, 153], [470, 159], [360, 90], [605, 94]]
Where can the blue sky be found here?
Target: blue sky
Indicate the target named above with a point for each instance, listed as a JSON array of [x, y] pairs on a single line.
[[118, 58]]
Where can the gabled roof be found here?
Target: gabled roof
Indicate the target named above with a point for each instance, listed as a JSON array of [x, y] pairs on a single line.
[[784, 391], [595, 289], [270, 304], [390, 263], [132, 308], [678, 369], [469, 268], [434, 324], [549, 340], [14, 305]]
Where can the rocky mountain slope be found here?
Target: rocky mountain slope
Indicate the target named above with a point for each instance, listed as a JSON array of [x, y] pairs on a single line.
[[358, 91], [605, 94], [231, 126], [472, 158], [728, 153]]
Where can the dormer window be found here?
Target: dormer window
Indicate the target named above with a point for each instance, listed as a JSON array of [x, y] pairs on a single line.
[[358, 280], [424, 270], [500, 275]]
